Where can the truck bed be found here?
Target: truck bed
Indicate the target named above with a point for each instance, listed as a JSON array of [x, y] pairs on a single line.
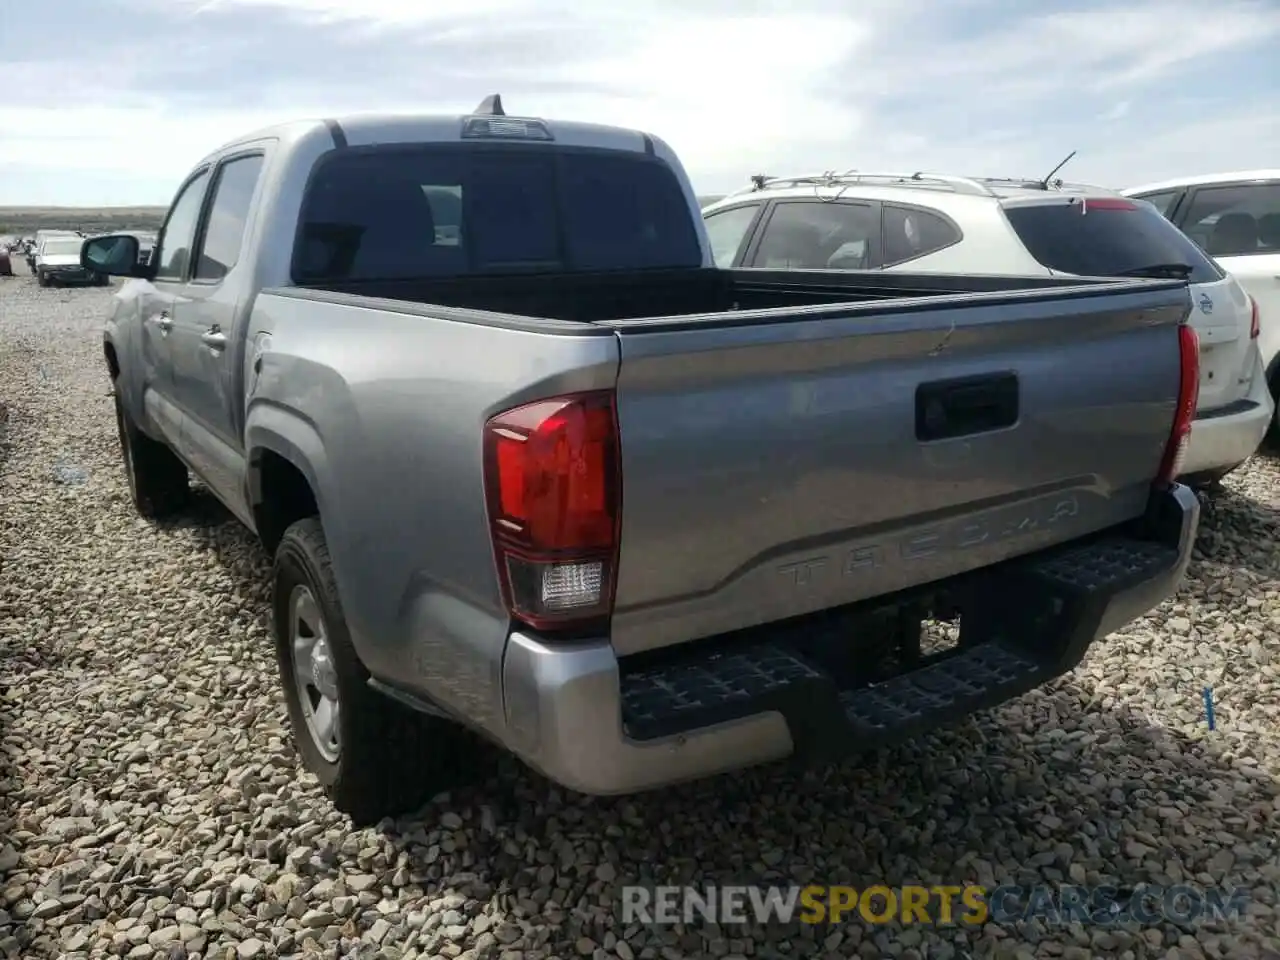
[[835, 438]]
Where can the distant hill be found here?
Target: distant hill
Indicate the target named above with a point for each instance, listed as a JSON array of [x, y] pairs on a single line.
[[27, 220], [709, 198]]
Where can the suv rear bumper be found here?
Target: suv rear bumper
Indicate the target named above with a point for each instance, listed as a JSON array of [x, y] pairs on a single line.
[[1228, 436], [601, 726]]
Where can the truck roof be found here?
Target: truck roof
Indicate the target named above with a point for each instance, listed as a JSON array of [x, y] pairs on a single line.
[[372, 128]]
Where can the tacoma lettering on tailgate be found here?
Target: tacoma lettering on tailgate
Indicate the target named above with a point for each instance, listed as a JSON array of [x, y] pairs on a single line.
[[945, 538]]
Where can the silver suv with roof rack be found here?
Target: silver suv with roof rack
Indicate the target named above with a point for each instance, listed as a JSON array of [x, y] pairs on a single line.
[[922, 223]]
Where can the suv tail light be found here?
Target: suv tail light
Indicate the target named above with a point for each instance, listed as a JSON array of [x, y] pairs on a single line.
[[1185, 412], [553, 486], [1255, 319]]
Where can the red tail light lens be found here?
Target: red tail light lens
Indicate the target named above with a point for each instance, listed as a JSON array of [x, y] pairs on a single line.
[[1255, 319], [553, 484], [1188, 395]]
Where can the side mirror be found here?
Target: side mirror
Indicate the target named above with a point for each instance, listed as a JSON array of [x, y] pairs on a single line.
[[115, 255]]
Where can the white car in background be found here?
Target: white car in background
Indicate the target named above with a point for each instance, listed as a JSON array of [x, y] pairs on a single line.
[[1235, 218], [57, 261], [930, 223]]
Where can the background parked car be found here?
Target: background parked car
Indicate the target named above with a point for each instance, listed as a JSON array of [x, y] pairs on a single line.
[[58, 262], [925, 223], [1235, 218]]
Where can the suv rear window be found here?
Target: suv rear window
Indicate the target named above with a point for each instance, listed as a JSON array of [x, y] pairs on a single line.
[[1105, 237], [396, 213]]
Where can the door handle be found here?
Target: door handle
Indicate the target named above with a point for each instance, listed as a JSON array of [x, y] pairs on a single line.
[[966, 406], [164, 322], [214, 338]]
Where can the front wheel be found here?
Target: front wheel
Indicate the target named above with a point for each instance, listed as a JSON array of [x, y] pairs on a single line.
[[42, 278], [158, 480], [374, 757]]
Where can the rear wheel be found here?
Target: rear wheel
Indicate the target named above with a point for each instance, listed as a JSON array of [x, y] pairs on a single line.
[[374, 757], [158, 483], [42, 278], [1209, 479]]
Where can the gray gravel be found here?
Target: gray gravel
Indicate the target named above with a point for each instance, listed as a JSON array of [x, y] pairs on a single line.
[[152, 806]]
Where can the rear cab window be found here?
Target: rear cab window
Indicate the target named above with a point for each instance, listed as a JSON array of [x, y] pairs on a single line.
[[444, 210], [1104, 237]]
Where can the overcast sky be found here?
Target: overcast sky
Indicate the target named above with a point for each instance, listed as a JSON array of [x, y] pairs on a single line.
[[111, 101]]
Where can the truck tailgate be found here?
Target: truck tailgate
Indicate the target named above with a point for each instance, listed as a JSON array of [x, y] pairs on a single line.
[[778, 463]]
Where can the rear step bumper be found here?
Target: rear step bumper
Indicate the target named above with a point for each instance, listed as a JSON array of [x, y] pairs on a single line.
[[599, 726]]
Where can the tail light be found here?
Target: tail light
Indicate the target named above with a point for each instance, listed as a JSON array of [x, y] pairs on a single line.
[[553, 485], [1255, 319], [1188, 395]]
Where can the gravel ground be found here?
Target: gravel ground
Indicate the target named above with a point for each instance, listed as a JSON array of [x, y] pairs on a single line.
[[152, 806]]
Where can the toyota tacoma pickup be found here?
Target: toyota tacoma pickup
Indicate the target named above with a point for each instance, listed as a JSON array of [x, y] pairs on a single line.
[[531, 467]]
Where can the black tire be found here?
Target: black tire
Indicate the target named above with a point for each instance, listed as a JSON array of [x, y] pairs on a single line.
[[389, 759], [158, 480], [1209, 480], [1272, 440], [41, 278]]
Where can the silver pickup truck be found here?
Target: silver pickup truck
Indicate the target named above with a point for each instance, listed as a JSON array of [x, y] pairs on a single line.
[[531, 467]]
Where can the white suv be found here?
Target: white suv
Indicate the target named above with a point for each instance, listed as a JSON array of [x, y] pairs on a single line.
[[926, 223], [1235, 217]]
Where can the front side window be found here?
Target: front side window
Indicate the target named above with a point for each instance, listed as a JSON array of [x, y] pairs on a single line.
[[180, 230], [1241, 220], [726, 229], [819, 235]]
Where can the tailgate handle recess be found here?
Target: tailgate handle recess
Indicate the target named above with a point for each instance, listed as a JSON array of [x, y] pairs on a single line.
[[966, 406]]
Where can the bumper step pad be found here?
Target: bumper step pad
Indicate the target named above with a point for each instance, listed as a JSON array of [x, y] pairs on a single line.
[[1015, 646], [959, 684]]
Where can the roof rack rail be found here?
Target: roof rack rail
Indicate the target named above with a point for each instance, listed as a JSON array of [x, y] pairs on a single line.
[[835, 178], [1031, 183]]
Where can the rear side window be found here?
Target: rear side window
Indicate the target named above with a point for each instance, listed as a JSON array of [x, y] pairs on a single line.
[[1234, 221], [1105, 237], [392, 213], [910, 233], [819, 235], [227, 217]]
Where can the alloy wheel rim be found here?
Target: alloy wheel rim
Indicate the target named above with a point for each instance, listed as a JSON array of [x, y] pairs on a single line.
[[315, 677]]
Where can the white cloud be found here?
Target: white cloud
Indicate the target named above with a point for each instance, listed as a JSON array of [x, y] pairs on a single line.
[[736, 88]]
